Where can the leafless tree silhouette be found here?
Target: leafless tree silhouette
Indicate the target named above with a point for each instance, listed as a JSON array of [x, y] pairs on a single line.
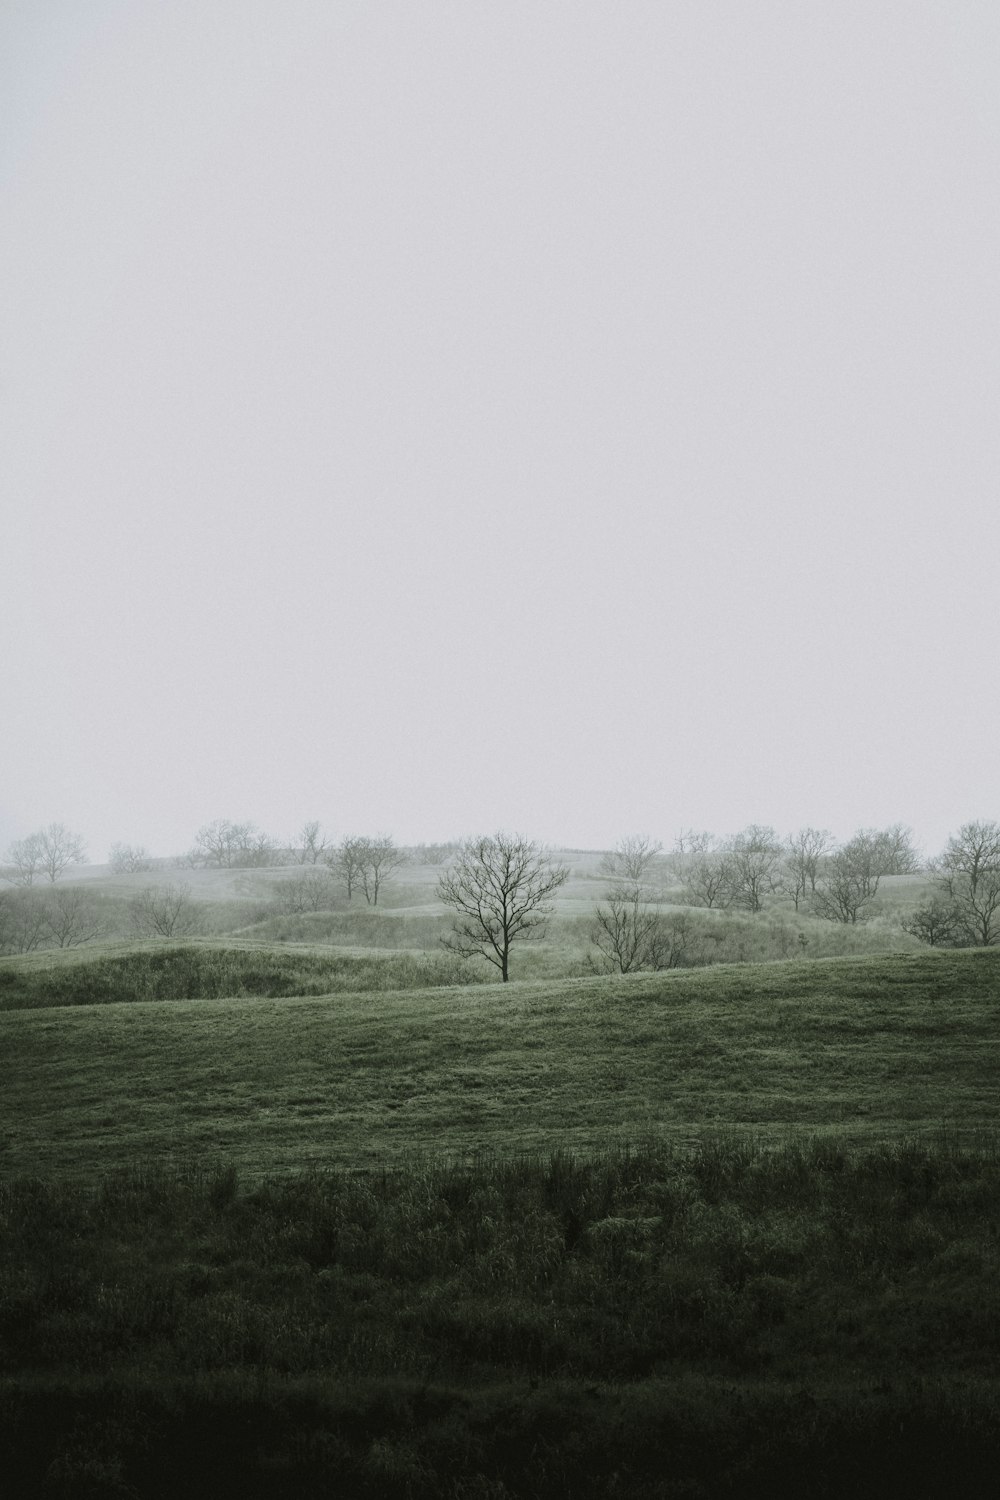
[[501, 886]]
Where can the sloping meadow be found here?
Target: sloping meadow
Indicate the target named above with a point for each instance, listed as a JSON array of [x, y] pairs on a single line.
[[722, 1233], [878, 1045], [206, 970]]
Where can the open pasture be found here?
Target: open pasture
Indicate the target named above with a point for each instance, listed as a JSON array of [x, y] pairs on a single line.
[[865, 1047], [700, 1233]]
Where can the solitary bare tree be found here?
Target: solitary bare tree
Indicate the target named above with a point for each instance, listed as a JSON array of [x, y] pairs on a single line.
[[501, 886]]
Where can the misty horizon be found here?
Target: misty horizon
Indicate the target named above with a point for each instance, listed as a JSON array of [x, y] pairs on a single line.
[[450, 417]]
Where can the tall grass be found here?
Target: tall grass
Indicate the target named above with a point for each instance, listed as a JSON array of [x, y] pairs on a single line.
[[195, 971], [730, 1257], [649, 1322], [359, 927], [726, 937]]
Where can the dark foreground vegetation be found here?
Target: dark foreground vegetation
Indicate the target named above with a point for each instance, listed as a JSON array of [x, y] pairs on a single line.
[[724, 1320]]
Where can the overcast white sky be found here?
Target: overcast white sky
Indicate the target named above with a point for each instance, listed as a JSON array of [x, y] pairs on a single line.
[[581, 418]]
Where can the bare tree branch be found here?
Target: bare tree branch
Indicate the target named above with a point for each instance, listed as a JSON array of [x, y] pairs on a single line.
[[25, 860], [968, 876], [313, 843], [501, 886], [128, 859], [164, 911], [701, 866], [849, 881], [379, 858], [804, 853], [632, 858], [73, 916], [754, 859], [235, 846]]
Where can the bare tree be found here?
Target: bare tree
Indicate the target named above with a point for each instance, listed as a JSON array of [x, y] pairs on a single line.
[[631, 859], [366, 864], [215, 843], [312, 843], [804, 852], [968, 877], [754, 860], [379, 858], [235, 846], [694, 841], [502, 887], [674, 942], [164, 911], [935, 922], [310, 891], [60, 849], [73, 916], [128, 859], [48, 852], [702, 867], [25, 860], [346, 861], [892, 849], [849, 880], [622, 927], [630, 934]]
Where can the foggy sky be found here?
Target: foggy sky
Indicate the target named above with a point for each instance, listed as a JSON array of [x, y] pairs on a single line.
[[429, 417]]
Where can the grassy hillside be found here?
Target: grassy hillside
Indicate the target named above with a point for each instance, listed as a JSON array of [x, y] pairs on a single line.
[[270, 906], [864, 1047], [745, 1276], [195, 970]]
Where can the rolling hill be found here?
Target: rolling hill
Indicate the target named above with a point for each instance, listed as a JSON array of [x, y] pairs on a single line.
[[867, 1047]]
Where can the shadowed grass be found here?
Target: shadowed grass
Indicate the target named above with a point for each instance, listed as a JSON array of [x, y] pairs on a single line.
[[723, 1320]]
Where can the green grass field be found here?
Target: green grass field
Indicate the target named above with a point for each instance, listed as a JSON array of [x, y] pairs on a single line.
[[869, 1048], [268, 1227]]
